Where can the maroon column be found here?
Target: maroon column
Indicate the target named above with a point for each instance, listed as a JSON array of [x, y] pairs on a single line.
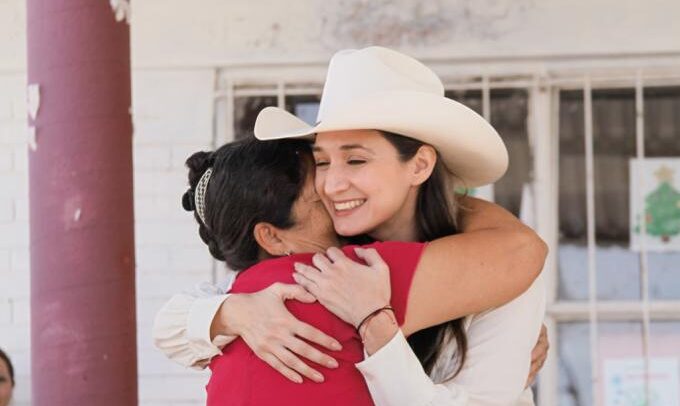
[[83, 336]]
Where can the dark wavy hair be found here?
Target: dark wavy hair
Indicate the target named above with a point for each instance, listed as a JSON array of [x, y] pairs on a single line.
[[10, 368], [252, 181], [436, 217]]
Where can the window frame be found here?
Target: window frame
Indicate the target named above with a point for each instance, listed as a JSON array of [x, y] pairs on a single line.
[[543, 80]]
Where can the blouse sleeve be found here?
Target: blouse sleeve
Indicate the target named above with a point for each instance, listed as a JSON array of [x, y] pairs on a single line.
[[395, 377], [181, 328], [495, 371], [500, 342]]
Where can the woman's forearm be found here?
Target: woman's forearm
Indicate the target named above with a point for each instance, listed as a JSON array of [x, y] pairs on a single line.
[[378, 331], [491, 263]]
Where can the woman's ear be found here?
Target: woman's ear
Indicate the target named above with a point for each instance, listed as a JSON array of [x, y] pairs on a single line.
[[269, 239], [423, 163]]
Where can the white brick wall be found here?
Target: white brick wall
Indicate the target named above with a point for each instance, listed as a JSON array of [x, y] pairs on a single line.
[[14, 269], [172, 118]]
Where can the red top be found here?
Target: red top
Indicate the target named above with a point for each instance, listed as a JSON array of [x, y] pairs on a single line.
[[239, 377]]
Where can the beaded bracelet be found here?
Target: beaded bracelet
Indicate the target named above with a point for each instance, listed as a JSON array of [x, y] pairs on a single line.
[[373, 313]]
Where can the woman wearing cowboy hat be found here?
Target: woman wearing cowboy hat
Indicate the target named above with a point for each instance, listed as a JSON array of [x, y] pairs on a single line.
[[387, 139]]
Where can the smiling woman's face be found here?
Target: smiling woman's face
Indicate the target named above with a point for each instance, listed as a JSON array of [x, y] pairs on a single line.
[[363, 184]]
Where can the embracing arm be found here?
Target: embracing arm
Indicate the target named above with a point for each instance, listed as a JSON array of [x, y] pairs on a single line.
[[494, 260], [192, 328], [181, 329], [500, 344]]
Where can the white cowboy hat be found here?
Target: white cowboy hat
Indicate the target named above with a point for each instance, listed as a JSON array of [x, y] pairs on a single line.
[[381, 89]]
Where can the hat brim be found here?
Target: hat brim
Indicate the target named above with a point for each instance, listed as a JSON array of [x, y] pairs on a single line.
[[469, 146]]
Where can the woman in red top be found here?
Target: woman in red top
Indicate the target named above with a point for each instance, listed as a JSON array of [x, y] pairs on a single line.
[[255, 201]]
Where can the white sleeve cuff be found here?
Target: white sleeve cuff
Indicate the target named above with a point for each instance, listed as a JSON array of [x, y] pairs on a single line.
[[171, 335], [394, 375], [201, 315]]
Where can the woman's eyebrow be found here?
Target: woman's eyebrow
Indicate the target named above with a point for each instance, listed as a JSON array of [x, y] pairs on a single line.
[[345, 147]]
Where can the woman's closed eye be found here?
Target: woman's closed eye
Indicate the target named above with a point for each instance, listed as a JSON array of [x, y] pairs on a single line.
[[356, 161]]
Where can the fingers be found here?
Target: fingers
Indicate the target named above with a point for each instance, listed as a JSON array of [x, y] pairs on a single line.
[[321, 262], [336, 254], [275, 363], [316, 336], [305, 350], [372, 258], [297, 292], [308, 277], [291, 361]]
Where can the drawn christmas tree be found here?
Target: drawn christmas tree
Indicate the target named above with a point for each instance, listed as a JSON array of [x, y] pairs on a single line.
[[662, 207]]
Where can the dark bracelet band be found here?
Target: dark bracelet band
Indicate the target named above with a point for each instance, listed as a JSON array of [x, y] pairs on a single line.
[[373, 313]]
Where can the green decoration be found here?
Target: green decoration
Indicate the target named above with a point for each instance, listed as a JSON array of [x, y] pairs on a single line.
[[463, 190], [662, 211]]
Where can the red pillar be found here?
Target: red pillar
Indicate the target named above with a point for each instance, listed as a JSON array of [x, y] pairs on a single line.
[[83, 335]]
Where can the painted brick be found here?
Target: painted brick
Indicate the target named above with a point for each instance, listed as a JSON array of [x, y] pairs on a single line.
[[15, 337], [192, 259], [13, 88], [152, 258], [5, 261], [163, 284], [153, 362], [7, 212], [160, 183], [20, 259], [21, 209], [151, 157], [21, 310], [180, 153], [13, 185], [13, 132], [14, 234], [6, 160], [171, 233], [184, 388], [20, 155], [15, 284], [147, 307], [164, 208], [5, 311], [173, 105]]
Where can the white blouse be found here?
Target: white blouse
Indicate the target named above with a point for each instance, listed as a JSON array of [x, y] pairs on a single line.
[[497, 364]]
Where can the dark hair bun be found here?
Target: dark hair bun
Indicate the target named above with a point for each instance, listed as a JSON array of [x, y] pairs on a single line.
[[198, 163], [188, 202]]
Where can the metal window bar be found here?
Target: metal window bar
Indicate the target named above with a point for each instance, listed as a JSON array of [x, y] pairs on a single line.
[[644, 268], [590, 214]]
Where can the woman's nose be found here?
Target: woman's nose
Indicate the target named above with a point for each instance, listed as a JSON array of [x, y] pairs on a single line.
[[335, 181]]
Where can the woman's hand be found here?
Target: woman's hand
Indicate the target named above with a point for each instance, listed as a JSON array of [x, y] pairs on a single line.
[[538, 355], [348, 289], [274, 334]]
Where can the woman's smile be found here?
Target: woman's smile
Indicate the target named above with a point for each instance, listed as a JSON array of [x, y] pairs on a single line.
[[347, 207]]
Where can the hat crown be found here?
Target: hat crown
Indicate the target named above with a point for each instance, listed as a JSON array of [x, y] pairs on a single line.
[[353, 74]]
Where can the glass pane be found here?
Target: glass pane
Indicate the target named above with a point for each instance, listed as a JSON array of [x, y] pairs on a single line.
[[620, 364], [509, 114], [662, 140], [614, 146], [306, 107], [246, 109]]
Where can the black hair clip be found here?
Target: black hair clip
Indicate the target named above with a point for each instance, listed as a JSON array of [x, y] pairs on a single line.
[[188, 201]]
